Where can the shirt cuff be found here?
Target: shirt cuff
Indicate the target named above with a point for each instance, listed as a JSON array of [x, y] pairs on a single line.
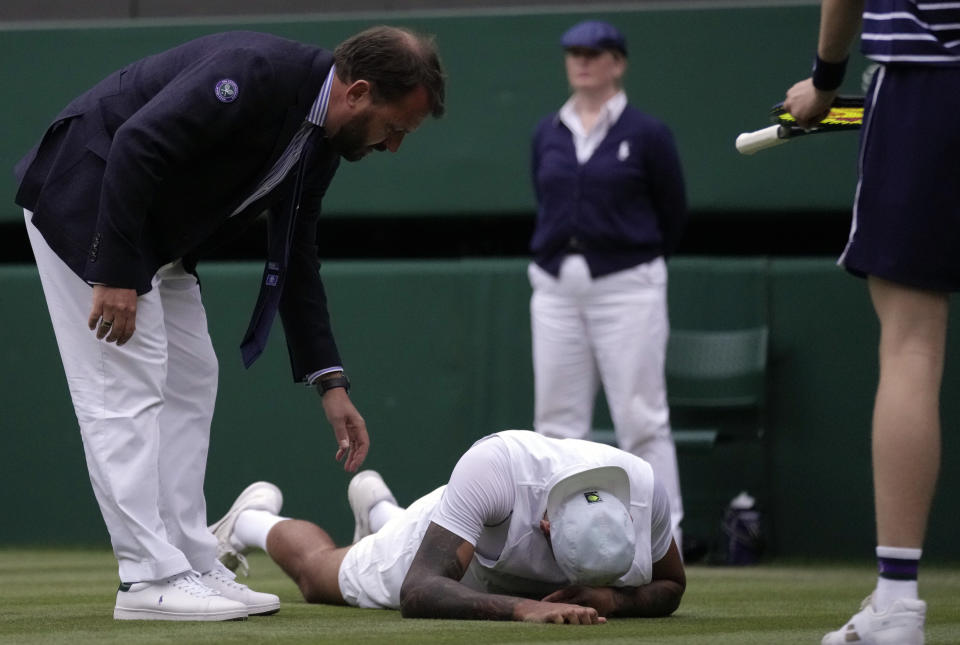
[[312, 378]]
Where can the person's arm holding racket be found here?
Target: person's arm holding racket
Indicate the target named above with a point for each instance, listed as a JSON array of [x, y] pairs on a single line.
[[809, 100]]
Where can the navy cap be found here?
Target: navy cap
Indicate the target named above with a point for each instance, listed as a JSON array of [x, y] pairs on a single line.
[[594, 34]]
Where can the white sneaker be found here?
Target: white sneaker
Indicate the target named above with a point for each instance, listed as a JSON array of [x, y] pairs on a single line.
[[219, 578], [366, 489], [900, 624], [258, 495], [182, 597]]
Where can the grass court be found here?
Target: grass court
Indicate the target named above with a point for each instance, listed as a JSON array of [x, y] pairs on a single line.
[[66, 596]]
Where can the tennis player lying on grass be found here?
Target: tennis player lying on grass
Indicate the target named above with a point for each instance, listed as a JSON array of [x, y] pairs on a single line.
[[528, 528]]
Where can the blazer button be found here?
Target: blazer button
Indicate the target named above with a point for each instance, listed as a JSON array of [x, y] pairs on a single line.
[[94, 248]]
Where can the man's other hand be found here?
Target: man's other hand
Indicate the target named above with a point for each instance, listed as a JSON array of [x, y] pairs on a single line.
[[113, 314]]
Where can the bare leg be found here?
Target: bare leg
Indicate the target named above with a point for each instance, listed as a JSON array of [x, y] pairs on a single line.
[[307, 554], [906, 418]]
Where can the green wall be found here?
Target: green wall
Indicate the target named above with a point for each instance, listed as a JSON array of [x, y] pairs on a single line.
[[439, 350], [709, 73], [439, 353]]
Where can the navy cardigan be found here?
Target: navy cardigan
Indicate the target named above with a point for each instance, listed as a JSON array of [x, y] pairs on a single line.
[[626, 205]]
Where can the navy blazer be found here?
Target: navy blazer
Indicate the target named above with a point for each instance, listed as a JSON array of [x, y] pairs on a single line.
[[147, 166]]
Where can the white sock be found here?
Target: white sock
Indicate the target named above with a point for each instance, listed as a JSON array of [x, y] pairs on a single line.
[[252, 528], [382, 512], [888, 589]]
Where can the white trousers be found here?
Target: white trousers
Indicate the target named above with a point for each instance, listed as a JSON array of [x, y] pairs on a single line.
[[612, 330], [144, 411]]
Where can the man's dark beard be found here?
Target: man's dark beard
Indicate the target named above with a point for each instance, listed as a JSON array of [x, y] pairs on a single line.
[[351, 140]]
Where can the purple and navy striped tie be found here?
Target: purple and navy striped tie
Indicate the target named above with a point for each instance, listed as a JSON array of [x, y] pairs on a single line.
[[282, 224]]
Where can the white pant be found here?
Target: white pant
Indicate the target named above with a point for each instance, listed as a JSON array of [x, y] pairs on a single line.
[[613, 329], [144, 411]]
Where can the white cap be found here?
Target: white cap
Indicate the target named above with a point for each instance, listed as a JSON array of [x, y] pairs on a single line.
[[590, 527]]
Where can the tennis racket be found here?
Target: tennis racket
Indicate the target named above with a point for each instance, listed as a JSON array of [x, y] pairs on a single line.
[[846, 113]]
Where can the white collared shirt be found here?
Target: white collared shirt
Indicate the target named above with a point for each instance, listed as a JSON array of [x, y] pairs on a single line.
[[584, 142], [497, 495]]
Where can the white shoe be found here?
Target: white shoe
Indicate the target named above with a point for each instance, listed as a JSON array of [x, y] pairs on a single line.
[[219, 578], [366, 489], [182, 597], [900, 624], [258, 495]]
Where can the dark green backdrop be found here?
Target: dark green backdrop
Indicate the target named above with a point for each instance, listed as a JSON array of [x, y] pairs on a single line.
[[710, 73], [439, 350], [439, 353]]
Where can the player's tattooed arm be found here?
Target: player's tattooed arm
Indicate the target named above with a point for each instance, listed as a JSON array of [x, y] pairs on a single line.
[[432, 589]]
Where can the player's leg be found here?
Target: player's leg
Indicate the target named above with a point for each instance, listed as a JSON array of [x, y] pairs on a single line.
[[906, 417], [904, 230], [372, 503], [309, 556], [906, 458], [628, 324], [303, 550], [564, 370], [367, 574]]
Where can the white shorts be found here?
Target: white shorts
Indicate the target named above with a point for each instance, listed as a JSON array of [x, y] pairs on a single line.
[[374, 568]]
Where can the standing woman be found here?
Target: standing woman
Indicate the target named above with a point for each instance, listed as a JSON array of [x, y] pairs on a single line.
[[610, 209]]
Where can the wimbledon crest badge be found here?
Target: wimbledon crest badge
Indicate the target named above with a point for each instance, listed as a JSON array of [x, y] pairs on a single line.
[[226, 91]]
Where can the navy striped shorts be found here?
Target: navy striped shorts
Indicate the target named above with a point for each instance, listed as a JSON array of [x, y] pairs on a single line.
[[906, 214]]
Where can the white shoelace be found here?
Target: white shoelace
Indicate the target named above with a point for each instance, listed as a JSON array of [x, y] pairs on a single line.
[[228, 553], [190, 583], [220, 576]]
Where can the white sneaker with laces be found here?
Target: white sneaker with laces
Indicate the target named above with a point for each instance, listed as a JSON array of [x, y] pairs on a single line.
[[900, 624], [182, 597], [221, 579], [258, 495], [366, 489]]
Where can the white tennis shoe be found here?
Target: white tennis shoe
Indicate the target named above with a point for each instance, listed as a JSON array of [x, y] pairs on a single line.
[[900, 624], [182, 597], [366, 489], [258, 495], [219, 578]]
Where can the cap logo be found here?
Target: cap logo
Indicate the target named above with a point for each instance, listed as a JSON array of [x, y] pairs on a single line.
[[592, 497], [226, 91]]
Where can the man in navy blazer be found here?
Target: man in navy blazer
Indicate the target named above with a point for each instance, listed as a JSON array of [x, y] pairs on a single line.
[[132, 182]]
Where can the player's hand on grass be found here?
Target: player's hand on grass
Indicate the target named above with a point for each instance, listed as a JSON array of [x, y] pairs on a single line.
[[808, 105], [600, 598], [349, 428], [113, 313], [535, 611]]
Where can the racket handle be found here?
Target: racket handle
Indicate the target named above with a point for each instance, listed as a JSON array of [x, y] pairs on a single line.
[[750, 142]]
